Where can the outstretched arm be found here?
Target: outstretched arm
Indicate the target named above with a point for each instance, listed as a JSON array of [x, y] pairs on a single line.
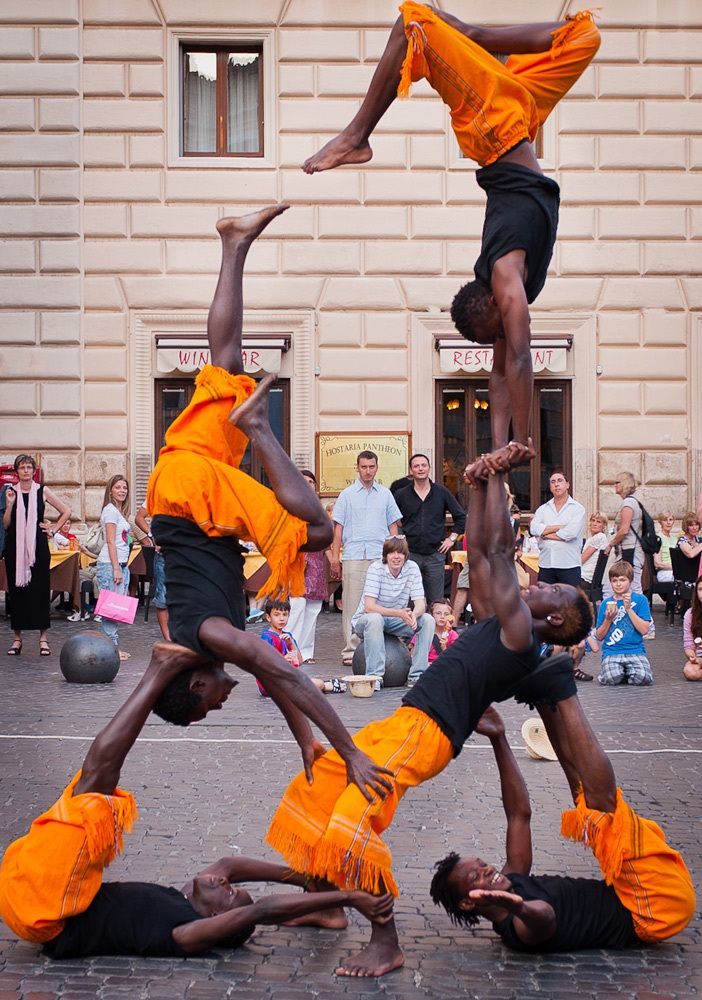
[[237, 869], [200, 935], [107, 753], [477, 548], [507, 282], [533, 921], [514, 615], [515, 797]]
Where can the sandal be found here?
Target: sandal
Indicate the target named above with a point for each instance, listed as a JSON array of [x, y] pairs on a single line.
[[123, 655], [44, 648], [15, 649], [334, 685], [580, 675]]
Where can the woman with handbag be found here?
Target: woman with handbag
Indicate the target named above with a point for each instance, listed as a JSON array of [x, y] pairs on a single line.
[[112, 570], [628, 528], [27, 557]]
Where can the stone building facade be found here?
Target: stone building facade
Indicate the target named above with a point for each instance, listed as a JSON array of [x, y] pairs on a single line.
[[109, 256]]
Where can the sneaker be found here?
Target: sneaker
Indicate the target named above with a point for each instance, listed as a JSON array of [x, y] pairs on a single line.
[[75, 617], [378, 686], [97, 618], [254, 615], [651, 634], [86, 616]]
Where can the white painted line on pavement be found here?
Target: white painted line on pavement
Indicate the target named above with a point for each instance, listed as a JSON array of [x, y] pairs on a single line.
[[197, 739]]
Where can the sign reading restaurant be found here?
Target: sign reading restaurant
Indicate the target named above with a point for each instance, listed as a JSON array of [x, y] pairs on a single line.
[[479, 359]]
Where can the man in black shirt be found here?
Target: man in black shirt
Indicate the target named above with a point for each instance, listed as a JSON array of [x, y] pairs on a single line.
[[424, 505], [646, 894], [328, 832], [51, 888]]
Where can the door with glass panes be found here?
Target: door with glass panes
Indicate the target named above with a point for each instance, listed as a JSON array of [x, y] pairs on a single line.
[[173, 395], [463, 433]]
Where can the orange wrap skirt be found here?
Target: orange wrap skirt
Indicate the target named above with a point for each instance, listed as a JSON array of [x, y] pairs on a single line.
[[197, 476], [649, 877], [55, 870], [493, 106], [329, 830]]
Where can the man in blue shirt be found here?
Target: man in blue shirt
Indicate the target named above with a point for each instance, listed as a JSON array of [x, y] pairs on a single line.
[[391, 585], [364, 514]]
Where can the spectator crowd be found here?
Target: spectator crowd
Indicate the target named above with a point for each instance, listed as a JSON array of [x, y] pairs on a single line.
[[397, 566]]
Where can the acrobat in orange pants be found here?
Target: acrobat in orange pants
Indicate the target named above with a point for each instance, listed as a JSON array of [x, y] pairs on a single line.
[[493, 106]]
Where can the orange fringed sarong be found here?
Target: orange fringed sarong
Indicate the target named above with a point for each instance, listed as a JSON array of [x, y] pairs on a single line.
[[649, 877], [55, 870], [330, 831], [493, 106], [197, 476]]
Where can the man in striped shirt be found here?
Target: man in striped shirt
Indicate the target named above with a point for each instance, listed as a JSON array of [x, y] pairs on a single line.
[[391, 583]]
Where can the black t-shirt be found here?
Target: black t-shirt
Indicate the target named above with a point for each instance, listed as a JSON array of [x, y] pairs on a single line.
[[588, 912], [423, 520], [126, 918], [521, 214], [473, 672]]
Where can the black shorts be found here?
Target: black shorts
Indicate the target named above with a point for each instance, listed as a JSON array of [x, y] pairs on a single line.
[[204, 578]]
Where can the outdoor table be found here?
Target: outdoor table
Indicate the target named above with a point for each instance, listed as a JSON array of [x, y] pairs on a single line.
[[63, 575]]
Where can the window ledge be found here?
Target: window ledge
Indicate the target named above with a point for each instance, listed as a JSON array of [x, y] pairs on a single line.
[[222, 162]]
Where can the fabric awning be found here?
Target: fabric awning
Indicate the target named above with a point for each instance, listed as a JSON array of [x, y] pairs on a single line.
[[189, 354], [460, 355]]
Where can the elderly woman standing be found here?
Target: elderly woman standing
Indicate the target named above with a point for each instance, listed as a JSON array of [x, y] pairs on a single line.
[[27, 558], [628, 522], [112, 571]]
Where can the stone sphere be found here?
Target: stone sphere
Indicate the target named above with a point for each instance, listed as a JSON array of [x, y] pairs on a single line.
[[89, 658], [398, 660]]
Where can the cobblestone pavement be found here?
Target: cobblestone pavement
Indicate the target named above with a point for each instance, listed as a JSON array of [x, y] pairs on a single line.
[[211, 790]]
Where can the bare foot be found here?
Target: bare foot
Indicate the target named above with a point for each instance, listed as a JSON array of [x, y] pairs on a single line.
[[123, 655], [333, 920], [245, 228], [253, 413], [377, 959], [336, 152]]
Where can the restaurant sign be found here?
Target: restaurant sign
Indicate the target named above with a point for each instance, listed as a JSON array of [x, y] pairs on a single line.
[[479, 359]]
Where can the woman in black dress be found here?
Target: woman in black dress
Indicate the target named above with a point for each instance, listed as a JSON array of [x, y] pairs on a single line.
[[27, 555]]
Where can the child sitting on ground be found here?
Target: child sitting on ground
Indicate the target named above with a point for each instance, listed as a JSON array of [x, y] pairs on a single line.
[[277, 613], [622, 623], [692, 635]]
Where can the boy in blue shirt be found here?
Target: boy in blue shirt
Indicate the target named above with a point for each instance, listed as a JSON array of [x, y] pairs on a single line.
[[622, 623]]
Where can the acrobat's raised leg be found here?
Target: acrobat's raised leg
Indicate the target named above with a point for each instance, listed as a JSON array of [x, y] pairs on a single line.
[[351, 145], [226, 315], [224, 332]]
